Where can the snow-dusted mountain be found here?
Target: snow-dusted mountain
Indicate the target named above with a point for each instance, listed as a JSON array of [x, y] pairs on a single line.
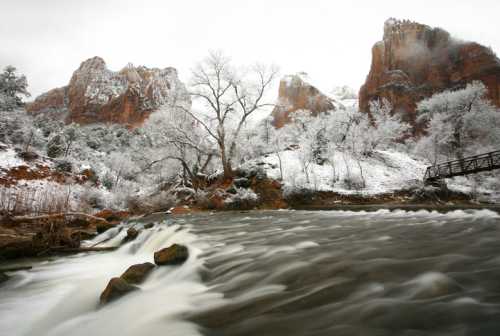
[[297, 93], [97, 94]]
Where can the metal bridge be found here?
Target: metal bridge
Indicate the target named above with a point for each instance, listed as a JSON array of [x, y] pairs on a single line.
[[465, 166]]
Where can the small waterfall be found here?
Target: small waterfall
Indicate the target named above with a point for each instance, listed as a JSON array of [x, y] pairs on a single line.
[[61, 297]]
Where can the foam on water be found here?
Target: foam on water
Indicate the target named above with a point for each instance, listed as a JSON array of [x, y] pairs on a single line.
[[61, 297]]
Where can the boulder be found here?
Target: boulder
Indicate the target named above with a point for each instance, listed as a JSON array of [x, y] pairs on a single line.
[[173, 255], [116, 288], [132, 234], [136, 274], [414, 61]]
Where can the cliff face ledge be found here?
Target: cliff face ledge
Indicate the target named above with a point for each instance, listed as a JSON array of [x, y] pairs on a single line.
[[414, 61], [97, 94], [295, 93]]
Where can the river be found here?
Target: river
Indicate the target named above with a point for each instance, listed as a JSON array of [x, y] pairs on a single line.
[[277, 273]]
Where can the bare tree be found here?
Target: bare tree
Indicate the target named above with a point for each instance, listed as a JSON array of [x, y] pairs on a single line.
[[228, 98]]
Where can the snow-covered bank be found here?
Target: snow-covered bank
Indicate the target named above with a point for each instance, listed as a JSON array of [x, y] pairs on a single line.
[[383, 172]]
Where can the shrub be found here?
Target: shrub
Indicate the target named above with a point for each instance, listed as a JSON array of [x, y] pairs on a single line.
[[244, 199], [56, 146], [161, 201], [354, 182], [64, 166], [92, 198]]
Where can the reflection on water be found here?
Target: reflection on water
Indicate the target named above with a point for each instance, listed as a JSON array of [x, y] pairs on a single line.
[[279, 273]]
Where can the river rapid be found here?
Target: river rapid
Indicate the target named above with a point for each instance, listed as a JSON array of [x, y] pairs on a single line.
[[276, 273]]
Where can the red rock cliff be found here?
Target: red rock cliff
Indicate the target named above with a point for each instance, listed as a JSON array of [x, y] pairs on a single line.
[[414, 61], [296, 94], [96, 94]]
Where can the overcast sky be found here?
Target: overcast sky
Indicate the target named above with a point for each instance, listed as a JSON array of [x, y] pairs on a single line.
[[330, 40]]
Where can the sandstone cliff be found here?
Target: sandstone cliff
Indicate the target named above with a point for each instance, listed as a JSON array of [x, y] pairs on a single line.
[[414, 61], [97, 94], [295, 93]]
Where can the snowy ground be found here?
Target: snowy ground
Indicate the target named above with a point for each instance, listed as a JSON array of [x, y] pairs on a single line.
[[9, 159], [384, 172]]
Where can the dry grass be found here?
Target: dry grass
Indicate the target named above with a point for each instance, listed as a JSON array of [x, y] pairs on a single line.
[[35, 201]]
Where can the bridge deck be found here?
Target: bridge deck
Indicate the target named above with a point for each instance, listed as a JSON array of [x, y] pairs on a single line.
[[466, 166]]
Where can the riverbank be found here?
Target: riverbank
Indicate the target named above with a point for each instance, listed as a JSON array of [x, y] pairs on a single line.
[[41, 236]]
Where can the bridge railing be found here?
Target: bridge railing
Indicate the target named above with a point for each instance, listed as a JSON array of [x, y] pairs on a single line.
[[468, 165]]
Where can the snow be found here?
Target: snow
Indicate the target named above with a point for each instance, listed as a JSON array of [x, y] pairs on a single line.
[[384, 172], [9, 159]]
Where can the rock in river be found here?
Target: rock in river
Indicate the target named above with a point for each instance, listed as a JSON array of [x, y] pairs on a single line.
[[131, 235], [116, 288], [136, 274], [173, 255]]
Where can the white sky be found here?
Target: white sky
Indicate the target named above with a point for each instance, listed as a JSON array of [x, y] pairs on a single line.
[[330, 40]]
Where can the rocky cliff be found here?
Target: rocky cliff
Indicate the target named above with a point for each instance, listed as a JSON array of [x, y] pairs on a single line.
[[295, 93], [97, 94], [414, 61]]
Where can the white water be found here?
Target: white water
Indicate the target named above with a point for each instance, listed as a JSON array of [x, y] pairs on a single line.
[[62, 297]]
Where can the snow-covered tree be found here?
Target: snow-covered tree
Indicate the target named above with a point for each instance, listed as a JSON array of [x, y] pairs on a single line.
[[227, 98], [179, 139], [460, 123], [12, 88], [382, 130]]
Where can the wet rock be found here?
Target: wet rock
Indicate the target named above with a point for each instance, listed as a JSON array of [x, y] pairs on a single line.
[[3, 277], [433, 285], [173, 255], [16, 246], [132, 234], [116, 288], [136, 274], [103, 227], [149, 225]]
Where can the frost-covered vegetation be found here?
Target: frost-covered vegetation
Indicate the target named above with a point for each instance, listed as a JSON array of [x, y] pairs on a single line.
[[187, 144]]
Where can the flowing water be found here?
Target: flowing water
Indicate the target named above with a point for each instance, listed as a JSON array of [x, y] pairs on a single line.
[[277, 273]]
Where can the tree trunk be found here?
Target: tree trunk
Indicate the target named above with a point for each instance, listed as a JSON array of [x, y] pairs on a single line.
[[226, 162]]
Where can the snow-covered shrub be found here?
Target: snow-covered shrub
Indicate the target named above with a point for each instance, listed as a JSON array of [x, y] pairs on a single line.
[[244, 199], [56, 146], [161, 201], [64, 166], [107, 181], [353, 182], [92, 198]]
